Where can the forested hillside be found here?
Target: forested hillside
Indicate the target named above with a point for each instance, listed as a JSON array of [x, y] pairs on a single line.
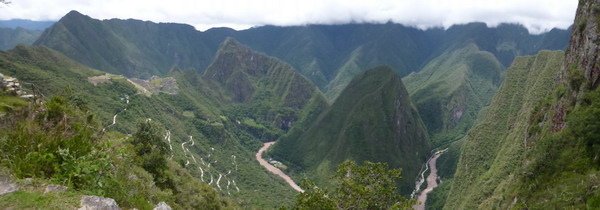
[[372, 120]]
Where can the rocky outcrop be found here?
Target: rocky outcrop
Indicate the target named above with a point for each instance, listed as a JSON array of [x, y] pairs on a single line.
[[55, 188], [12, 86], [584, 48], [581, 68], [162, 206], [7, 185], [98, 203]]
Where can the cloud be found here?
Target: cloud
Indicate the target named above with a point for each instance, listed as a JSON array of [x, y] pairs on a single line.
[[536, 15]]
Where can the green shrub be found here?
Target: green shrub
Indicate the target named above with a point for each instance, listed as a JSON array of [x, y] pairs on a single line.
[[584, 124], [151, 151], [48, 142], [575, 77]]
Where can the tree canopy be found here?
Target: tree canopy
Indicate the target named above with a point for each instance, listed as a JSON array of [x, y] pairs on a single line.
[[367, 186]]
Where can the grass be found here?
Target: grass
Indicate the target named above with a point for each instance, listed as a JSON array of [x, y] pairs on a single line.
[[40, 200], [10, 103]]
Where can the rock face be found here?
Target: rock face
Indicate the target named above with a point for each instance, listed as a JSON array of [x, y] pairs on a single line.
[[7, 186], [162, 206], [55, 188], [584, 46], [98, 203]]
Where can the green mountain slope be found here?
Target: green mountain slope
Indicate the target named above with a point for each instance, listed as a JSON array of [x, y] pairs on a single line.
[[537, 145], [195, 110], [129, 47], [496, 148], [44, 71], [10, 38], [373, 119], [450, 91], [263, 89]]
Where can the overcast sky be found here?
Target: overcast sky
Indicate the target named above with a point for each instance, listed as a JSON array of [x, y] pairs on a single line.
[[536, 15]]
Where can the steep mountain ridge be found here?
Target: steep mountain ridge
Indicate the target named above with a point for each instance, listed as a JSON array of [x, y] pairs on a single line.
[[450, 91], [373, 119], [549, 155], [264, 89], [494, 149], [129, 47]]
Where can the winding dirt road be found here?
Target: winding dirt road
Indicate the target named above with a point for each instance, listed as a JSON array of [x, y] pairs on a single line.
[[273, 169], [431, 181]]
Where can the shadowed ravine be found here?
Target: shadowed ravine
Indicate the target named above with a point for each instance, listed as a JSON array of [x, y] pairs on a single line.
[[273, 169]]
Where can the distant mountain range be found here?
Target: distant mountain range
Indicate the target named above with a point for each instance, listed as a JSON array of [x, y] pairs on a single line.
[[329, 55], [17, 31], [26, 24], [9, 38]]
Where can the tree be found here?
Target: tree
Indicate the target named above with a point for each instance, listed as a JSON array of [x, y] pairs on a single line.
[[366, 186], [4, 2], [152, 150]]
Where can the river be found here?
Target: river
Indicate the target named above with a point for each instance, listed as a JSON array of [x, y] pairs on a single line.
[[431, 181], [273, 169]]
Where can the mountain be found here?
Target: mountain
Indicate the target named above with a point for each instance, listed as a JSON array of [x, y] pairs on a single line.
[[536, 146], [450, 90], [328, 55], [373, 119], [26, 24], [263, 89], [129, 47], [496, 145], [9, 38]]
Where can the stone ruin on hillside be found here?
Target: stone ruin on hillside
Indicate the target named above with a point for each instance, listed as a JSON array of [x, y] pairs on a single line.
[[12, 86]]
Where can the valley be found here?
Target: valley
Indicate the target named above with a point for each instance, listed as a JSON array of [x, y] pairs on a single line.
[[366, 115]]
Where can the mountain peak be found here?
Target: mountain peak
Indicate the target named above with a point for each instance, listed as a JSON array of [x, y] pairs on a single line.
[[373, 119], [74, 14], [232, 45], [383, 71]]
